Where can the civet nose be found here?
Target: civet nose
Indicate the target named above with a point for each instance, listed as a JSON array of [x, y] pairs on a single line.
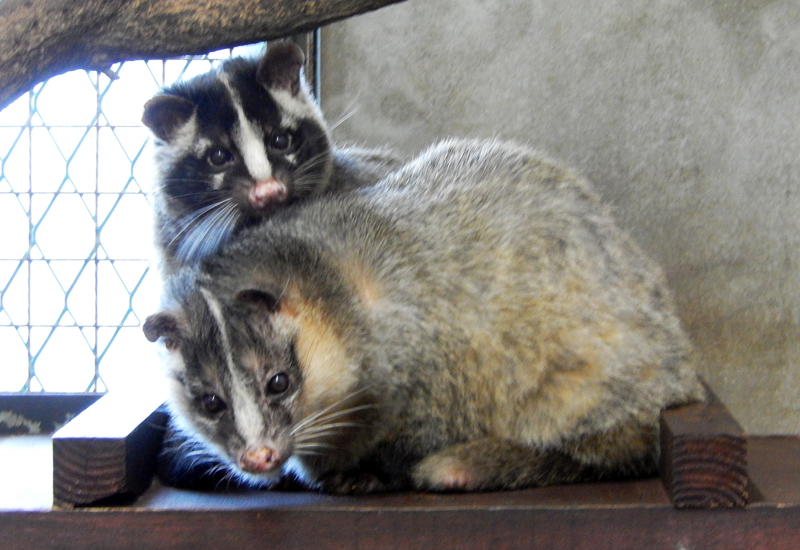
[[267, 193], [260, 460]]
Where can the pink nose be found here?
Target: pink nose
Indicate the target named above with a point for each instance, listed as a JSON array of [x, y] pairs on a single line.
[[266, 193], [260, 460]]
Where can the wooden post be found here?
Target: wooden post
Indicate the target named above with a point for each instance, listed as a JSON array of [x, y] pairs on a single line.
[[110, 449], [704, 456]]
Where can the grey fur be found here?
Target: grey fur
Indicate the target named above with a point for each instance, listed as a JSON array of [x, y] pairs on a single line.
[[474, 321]]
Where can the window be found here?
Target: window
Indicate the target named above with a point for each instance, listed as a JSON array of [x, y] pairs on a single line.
[[75, 228]]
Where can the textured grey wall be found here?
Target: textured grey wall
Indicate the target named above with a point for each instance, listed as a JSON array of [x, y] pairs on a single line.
[[685, 114]]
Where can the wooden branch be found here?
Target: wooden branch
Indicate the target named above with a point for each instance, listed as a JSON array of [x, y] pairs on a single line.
[[42, 38], [110, 449], [704, 456]]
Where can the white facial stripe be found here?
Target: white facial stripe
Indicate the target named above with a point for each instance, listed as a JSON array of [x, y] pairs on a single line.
[[296, 107], [248, 418], [248, 139], [184, 137], [252, 148], [181, 145]]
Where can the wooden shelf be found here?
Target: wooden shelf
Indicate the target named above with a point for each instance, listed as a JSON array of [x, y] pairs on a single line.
[[620, 515], [626, 515]]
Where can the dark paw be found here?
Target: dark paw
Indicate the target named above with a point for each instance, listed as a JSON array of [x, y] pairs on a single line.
[[288, 482], [349, 483], [186, 464]]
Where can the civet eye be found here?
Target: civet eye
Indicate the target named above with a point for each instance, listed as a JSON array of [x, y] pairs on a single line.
[[219, 157], [280, 142], [278, 383], [212, 403]]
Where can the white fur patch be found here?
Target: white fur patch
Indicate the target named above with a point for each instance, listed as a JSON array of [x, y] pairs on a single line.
[[248, 138], [185, 136], [201, 146], [179, 147], [217, 180], [296, 107], [247, 415]]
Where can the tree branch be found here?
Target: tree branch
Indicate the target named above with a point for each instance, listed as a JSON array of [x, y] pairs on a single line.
[[42, 38]]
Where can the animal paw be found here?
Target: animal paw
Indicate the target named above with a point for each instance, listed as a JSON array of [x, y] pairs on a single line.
[[445, 473], [352, 483]]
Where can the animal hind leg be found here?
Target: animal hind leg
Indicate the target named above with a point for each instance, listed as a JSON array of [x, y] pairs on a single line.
[[492, 464]]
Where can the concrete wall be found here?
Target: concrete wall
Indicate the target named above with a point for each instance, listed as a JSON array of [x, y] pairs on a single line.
[[685, 114]]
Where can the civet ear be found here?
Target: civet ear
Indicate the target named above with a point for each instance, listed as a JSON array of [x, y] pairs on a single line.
[[165, 114], [163, 325], [281, 66]]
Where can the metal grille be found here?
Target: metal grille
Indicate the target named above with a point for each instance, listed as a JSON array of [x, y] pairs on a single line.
[[75, 228]]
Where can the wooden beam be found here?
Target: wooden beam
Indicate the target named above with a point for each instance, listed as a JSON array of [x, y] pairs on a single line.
[[704, 456], [42, 38], [109, 450]]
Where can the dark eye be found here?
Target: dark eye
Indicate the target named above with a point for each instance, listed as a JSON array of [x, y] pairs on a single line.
[[278, 383], [212, 403], [279, 142], [219, 157]]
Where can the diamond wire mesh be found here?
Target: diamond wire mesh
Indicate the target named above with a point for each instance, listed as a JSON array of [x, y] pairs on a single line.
[[75, 228]]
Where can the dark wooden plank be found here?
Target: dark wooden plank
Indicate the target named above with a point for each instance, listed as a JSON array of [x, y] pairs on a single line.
[[704, 456], [40, 413], [109, 450], [349, 527], [620, 515], [645, 492]]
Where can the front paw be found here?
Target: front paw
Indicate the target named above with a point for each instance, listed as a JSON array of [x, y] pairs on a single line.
[[352, 483], [288, 482], [445, 473]]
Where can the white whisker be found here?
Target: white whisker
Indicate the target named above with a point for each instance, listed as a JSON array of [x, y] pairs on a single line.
[[210, 231], [313, 445], [310, 430], [315, 418], [325, 421], [308, 453], [353, 109], [314, 161], [186, 222]]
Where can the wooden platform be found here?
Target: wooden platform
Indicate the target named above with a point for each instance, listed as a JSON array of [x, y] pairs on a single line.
[[621, 515]]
